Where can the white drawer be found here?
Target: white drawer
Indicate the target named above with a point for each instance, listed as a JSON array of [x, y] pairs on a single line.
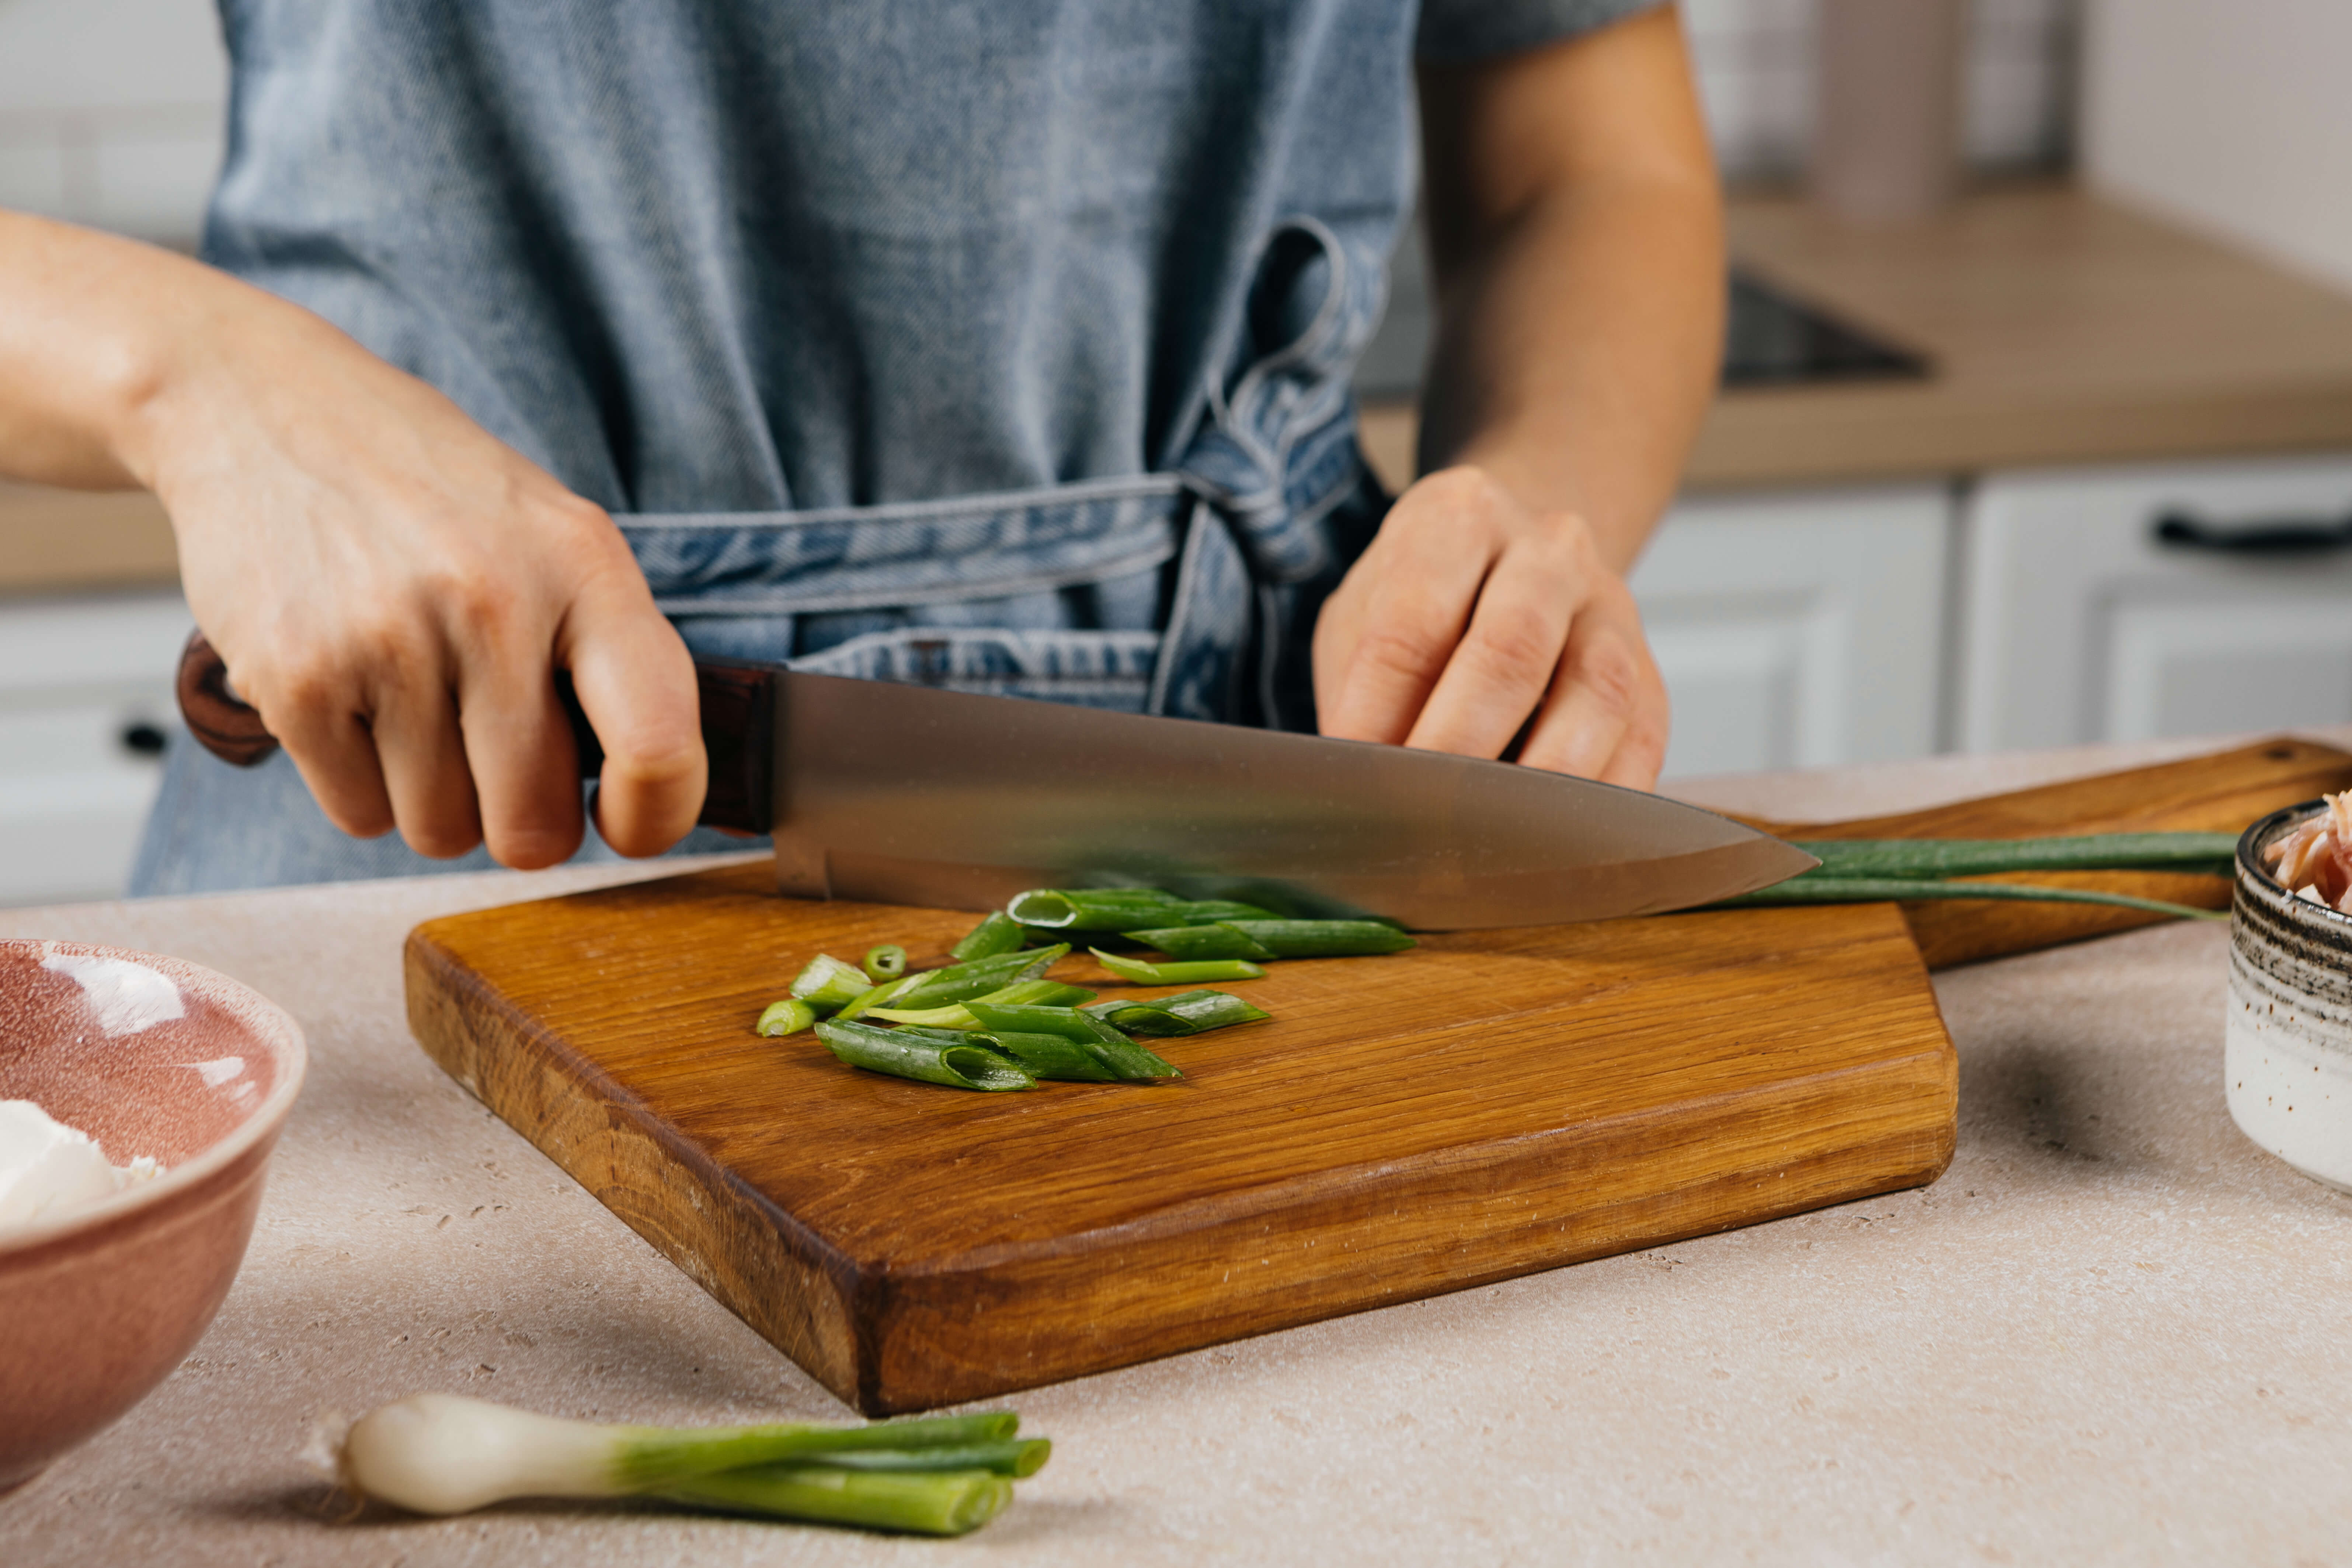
[[2079, 622], [1798, 630]]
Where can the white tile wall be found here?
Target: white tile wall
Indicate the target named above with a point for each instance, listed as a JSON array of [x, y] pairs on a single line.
[[1755, 61], [111, 111]]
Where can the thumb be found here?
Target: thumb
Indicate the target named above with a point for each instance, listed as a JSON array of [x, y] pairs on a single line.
[[635, 683]]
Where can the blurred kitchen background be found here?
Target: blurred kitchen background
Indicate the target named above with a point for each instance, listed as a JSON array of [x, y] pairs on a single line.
[[2037, 429]]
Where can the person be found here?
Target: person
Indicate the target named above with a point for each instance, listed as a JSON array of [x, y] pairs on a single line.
[[1004, 347]]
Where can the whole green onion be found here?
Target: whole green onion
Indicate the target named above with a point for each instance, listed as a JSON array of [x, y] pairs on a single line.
[[1203, 941], [1324, 939], [923, 1057], [1813, 888], [2211, 854], [440, 1454], [827, 984], [1189, 1013], [886, 961], [953, 1503], [789, 1016], [1138, 972], [999, 933], [1128, 1060]]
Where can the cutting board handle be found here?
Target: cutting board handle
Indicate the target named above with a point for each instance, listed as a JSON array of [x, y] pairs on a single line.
[[738, 706]]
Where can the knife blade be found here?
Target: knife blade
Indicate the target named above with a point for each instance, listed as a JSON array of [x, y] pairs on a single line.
[[919, 795]]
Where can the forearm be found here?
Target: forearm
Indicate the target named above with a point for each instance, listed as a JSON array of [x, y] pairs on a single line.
[[94, 330], [1577, 352], [1576, 234]]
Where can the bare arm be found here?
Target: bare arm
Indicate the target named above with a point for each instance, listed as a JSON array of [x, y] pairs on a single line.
[[389, 585], [1575, 232]]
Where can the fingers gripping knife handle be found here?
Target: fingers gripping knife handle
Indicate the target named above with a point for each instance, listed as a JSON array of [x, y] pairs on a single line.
[[738, 706]]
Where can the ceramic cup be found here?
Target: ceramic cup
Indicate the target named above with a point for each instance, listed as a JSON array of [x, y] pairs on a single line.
[[2289, 1051], [152, 1056]]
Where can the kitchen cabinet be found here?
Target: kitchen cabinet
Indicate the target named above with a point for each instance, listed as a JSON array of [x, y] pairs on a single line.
[[86, 710], [2126, 603], [1799, 630]]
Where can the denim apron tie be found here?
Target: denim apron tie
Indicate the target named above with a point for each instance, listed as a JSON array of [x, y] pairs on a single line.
[[1188, 592]]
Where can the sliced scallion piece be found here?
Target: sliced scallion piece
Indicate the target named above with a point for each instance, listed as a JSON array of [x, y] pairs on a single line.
[[999, 933], [789, 1016], [827, 984], [1089, 908], [1050, 1056], [955, 1015], [1128, 1060], [1189, 1013], [876, 997], [1185, 943], [1138, 972], [962, 981], [922, 1056], [1324, 939], [887, 960]]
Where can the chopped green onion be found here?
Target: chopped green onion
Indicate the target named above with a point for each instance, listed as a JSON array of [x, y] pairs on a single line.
[[1128, 1060], [878, 996], [1050, 1056], [1088, 909], [789, 1016], [886, 961], [828, 984], [1202, 911], [1137, 972], [954, 1016], [440, 1454], [1814, 889], [1213, 940], [1324, 939], [953, 1503], [962, 981], [999, 933], [922, 1057], [1189, 1013], [2211, 853]]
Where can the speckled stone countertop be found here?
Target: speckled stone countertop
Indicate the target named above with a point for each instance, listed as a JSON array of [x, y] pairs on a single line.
[[2114, 1332]]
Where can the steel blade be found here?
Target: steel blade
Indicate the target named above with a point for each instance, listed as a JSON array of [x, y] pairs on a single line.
[[914, 796]]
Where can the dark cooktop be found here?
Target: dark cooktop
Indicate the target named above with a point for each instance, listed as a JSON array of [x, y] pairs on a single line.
[[1772, 340]]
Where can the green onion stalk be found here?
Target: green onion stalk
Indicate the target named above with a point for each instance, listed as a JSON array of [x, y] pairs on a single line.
[[440, 1454], [1873, 871]]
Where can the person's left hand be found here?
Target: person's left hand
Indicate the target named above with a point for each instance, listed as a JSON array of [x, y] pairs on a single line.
[[1474, 617]]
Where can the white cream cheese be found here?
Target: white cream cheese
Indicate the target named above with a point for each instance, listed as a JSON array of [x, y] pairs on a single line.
[[47, 1169]]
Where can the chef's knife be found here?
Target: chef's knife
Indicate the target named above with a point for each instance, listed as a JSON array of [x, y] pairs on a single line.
[[912, 794]]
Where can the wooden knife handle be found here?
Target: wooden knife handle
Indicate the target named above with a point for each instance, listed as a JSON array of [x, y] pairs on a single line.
[[738, 704]]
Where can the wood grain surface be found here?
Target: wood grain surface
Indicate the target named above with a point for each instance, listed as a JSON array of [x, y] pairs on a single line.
[[2225, 793], [1484, 1105]]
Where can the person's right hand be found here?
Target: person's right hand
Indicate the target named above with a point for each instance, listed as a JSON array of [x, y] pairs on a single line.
[[394, 589]]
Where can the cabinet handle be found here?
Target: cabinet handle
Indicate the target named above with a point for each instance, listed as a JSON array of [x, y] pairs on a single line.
[[142, 739], [2266, 536]]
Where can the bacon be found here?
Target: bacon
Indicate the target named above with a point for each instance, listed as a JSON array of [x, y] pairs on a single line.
[[2318, 855]]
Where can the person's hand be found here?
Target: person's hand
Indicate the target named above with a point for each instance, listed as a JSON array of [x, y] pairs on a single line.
[[394, 589], [1473, 620]]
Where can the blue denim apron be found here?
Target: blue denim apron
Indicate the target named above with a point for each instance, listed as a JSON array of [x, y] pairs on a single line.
[[998, 347]]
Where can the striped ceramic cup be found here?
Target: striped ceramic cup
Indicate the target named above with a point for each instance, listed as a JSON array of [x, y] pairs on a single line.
[[2289, 1052]]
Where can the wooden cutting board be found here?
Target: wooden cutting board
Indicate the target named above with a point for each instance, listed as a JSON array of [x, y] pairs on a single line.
[[1487, 1104]]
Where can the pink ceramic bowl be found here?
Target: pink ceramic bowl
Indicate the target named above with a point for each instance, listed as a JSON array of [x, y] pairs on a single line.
[[150, 1056]]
